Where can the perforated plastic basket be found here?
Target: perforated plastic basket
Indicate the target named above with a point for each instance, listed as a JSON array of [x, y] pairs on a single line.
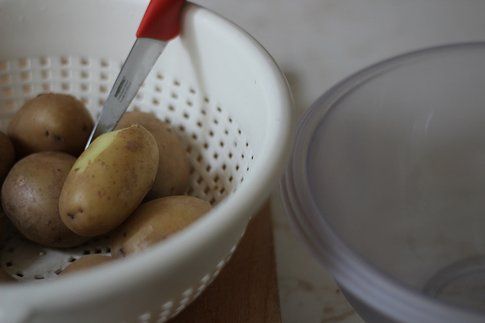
[[221, 92]]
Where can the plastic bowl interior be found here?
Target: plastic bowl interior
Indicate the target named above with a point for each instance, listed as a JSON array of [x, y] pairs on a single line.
[[387, 185]]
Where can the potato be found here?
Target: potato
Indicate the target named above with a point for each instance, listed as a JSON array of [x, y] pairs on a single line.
[[30, 198], [86, 262], [174, 167], [51, 122], [156, 220], [5, 278], [7, 156], [108, 181], [2, 226]]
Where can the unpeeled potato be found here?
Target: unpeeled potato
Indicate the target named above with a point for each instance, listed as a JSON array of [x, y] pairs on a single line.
[[30, 198], [7, 156], [86, 262], [5, 278], [155, 221], [51, 122], [108, 181], [2, 226], [173, 166]]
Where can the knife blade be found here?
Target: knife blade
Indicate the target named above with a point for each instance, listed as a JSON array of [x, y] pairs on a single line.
[[134, 71], [160, 23]]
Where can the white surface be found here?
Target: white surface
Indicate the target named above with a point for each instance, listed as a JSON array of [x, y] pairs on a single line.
[[317, 43]]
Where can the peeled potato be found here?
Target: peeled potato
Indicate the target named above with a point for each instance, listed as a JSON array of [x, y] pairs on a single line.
[[108, 181], [30, 198], [155, 221], [86, 262], [51, 122], [7, 156], [174, 167]]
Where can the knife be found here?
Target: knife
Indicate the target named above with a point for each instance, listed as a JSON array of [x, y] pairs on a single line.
[[160, 23]]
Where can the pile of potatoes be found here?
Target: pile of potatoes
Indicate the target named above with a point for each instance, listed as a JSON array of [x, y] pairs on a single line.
[[129, 182]]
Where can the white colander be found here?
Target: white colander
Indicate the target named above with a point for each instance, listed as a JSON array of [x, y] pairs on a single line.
[[221, 92]]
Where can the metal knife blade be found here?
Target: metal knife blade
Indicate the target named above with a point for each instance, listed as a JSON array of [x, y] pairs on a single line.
[[134, 71]]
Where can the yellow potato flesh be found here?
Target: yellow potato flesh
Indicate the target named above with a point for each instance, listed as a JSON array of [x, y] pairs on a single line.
[[109, 181]]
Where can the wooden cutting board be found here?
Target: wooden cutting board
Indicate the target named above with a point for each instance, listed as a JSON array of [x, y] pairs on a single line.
[[246, 289]]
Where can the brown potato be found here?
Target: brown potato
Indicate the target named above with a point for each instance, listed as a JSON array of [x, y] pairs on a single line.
[[86, 262], [7, 156], [51, 122], [2, 226], [108, 181], [155, 221], [30, 197], [5, 278], [174, 166]]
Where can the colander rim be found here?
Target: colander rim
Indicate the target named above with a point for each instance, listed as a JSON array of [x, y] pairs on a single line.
[[114, 277]]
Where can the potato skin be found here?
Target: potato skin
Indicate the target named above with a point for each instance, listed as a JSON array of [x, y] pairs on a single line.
[[86, 262], [51, 122], [155, 221], [108, 181], [173, 167], [2, 226], [5, 278], [7, 156], [30, 197]]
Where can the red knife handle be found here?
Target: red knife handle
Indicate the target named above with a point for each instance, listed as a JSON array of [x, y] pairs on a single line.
[[161, 20]]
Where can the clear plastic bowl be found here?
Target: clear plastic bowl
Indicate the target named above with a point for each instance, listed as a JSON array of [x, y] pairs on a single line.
[[386, 185]]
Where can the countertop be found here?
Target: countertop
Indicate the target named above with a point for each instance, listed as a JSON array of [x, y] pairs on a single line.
[[317, 43]]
